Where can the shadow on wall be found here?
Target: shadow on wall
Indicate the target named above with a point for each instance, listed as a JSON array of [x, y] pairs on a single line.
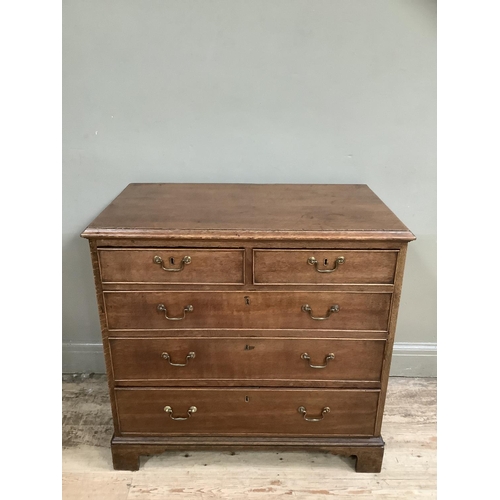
[[79, 303]]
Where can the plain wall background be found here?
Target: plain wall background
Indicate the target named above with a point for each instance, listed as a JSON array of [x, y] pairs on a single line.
[[260, 91]]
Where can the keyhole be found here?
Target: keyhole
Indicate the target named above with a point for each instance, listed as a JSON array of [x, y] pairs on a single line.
[[172, 261], [247, 300], [326, 262], [247, 399]]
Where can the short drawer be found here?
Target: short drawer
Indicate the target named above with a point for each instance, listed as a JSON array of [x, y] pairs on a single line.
[[250, 310], [245, 359], [299, 412], [172, 265], [324, 267]]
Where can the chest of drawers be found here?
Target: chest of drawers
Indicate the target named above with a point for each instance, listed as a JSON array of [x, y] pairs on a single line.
[[241, 316]]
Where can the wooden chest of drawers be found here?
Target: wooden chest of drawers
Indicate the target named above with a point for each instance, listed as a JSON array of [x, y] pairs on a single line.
[[247, 316]]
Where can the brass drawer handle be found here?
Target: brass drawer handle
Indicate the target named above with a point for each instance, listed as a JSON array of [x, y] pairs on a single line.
[[333, 309], [191, 410], [328, 357], [301, 409], [185, 260], [313, 262], [161, 307], [190, 355]]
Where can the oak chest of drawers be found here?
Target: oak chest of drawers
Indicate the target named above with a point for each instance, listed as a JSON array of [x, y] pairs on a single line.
[[259, 316]]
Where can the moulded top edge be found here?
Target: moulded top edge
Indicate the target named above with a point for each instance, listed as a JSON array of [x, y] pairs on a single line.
[[355, 235]]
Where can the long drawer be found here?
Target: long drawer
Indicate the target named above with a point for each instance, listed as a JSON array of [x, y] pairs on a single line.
[[298, 412], [324, 267], [273, 310], [192, 359], [171, 265]]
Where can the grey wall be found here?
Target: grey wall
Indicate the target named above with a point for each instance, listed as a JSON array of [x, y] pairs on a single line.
[[262, 91]]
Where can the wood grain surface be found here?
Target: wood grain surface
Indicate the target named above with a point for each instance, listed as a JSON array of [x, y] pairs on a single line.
[[292, 267], [233, 412], [205, 266], [297, 211], [245, 359], [274, 310]]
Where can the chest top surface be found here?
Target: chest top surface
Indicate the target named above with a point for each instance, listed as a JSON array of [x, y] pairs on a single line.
[[248, 211]]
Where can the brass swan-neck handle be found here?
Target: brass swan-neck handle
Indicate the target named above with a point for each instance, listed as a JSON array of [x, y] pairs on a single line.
[[163, 308], [333, 309], [312, 261], [303, 411], [185, 260], [328, 357], [191, 410]]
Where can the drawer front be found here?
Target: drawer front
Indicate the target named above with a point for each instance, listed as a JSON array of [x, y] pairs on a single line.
[[324, 267], [157, 359], [171, 265], [247, 411], [273, 310]]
